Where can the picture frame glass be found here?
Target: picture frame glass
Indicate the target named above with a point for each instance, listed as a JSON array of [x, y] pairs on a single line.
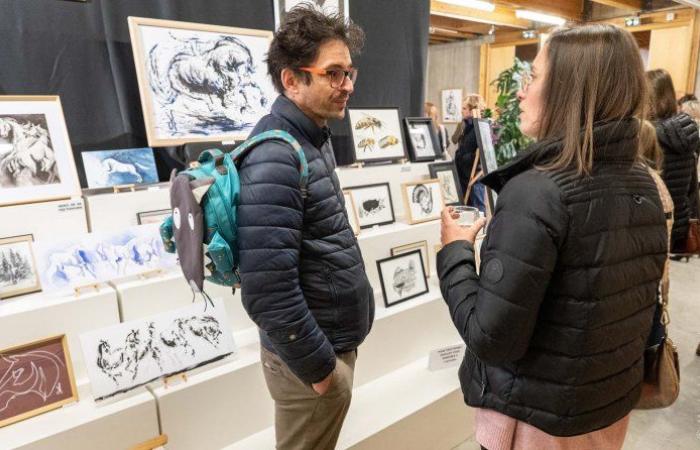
[[376, 134], [424, 200], [18, 271], [373, 205], [402, 277], [107, 168]]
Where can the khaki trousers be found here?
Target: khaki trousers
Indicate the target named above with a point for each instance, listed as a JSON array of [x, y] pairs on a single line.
[[305, 420]]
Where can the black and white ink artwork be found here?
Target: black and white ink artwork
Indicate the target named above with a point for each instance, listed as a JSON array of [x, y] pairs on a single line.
[[206, 84], [130, 354], [15, 267], [26, 154], [422, 198], [372, 207], [405, 278]]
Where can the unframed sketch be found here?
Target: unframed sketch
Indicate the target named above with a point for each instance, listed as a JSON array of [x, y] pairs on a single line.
[[27, 156], [130, 354], [17, 267], [108, 168]]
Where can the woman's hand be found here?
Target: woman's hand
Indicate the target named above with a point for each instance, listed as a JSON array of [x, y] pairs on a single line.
[[451, 231]]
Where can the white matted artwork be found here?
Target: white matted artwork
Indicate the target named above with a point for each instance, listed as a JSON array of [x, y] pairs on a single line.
[[446, 172], [373, 204], [451, 105], [18, 272], [402, 277], [329, 7], [130, 354], [351, 211], [96, 257], [200, 82], [423, 200], [376, 134], [423, 139], [36, 159], [106, 168]]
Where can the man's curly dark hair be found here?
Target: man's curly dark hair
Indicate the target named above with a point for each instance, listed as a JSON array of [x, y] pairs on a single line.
[[299, 37]]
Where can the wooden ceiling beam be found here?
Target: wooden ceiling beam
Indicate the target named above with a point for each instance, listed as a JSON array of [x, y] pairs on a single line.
[[568, 9], [500, 16], [634, 5]]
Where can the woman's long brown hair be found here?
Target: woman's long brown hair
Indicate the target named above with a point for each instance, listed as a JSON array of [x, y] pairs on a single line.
[[595, 73]]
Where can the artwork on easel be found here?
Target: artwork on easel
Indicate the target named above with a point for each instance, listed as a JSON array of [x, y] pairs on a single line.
[[487, 155], [130, 354], [422, 246], [18, 272], [423, 141], [35, 378], [373, 204], [200, 82], [36, 159], [93, 258], [107, 168], [446, 172], [423, 200], [376, 134], [402, 277]]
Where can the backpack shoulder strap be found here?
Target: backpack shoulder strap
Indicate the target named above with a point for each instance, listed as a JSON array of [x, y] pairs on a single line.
[[279, 135]]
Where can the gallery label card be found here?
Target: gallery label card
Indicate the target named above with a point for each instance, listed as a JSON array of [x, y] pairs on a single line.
[[445, 357]]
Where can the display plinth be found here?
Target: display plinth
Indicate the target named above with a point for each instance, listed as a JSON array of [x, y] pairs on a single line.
[[116, 211], [44, 220], [36, 316], [86, 425], [139, 297], [394, 174]]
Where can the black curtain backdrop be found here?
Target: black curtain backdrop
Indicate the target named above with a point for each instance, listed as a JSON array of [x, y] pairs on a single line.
[[82, 52]]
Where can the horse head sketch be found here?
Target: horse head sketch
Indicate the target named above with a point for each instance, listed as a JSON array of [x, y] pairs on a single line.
[[126, 360], [32, 160], [184, 331], [36, 373]]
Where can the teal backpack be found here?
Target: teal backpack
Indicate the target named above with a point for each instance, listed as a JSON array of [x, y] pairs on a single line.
[[204, 203]]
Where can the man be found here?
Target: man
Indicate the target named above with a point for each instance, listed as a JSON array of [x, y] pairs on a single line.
[[302, 275]]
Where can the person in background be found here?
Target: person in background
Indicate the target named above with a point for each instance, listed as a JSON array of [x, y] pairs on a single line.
[[465, 138], [679, 140], [432, 112], [557, 319], [303, 280]]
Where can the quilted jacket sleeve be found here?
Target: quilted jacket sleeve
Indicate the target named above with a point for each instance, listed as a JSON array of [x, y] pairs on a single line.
[[495, 312], [270, 221]]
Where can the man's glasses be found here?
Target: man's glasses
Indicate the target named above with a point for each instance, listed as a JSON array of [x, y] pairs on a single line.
[[336, 76]]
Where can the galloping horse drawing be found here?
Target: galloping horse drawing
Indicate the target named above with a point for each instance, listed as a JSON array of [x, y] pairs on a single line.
[[32, 160]]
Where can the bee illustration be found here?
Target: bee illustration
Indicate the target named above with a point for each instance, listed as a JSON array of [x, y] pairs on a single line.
[[366, 143], [368, 122], [388, 141]]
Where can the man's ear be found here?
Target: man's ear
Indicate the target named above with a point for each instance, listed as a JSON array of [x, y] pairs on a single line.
[[290, 82]]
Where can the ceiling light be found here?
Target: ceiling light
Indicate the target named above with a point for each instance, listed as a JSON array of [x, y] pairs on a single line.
[[539, 17], [693, 3], [476, 4]]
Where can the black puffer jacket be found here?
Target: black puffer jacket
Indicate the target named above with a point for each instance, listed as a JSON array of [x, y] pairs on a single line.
[[302, 276], [678, 137], [557, 321]]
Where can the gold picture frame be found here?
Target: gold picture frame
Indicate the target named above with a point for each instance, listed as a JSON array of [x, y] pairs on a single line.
[[67, 375], [419, 245], [14, 258], [422, 209], [145, 91]]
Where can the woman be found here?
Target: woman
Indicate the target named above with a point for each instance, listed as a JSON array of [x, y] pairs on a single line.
[[465, 137], [557, 319], [678, 136], [432, 112]]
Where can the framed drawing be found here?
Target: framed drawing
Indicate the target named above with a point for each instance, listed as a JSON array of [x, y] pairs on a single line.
[[451, 105], [106, 168], [282, 7], [402, 277], [124, 356], [376, 134], [200, 82], [487, 155], [446, 172], [351, 210], [97, 257], [422, 246], [423, 142], [35, 378], [423, 200], [373, 204], [155, 216], [18, 272], [36, 159]]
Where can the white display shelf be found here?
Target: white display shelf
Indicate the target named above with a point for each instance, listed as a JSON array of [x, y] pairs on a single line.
[[87, 425], [144, 297], [410, 408], [44, 220], [37, 316], [394, 174], [116, 211]]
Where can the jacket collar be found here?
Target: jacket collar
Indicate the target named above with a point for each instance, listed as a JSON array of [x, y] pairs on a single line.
[[614, 141], [287, 110]]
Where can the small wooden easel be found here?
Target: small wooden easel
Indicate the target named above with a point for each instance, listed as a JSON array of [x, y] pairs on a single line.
[[151, 444]]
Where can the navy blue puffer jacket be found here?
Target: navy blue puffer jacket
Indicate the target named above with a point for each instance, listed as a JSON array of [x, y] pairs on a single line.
[[303, 280]]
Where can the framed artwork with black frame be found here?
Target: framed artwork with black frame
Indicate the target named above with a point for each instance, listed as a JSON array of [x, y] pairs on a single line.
[[420, 245], [402, 277], [423, 143], [446, 172], [487, 155], [373, 204], [376, 134]]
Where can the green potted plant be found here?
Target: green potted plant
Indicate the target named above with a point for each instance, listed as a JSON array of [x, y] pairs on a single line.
[[509, 140]]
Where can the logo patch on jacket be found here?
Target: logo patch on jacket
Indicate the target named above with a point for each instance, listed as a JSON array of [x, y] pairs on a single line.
[[493, 272]]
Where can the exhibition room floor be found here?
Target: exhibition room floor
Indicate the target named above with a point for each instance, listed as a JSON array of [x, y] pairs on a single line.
[[677, 427]]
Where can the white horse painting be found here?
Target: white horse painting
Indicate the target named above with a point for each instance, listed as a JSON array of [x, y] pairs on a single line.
[[112, 166], [31, 160]]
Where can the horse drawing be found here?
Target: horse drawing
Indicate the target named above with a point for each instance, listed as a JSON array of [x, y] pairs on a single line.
[[32, 160], [112, 167], [36, 372]]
